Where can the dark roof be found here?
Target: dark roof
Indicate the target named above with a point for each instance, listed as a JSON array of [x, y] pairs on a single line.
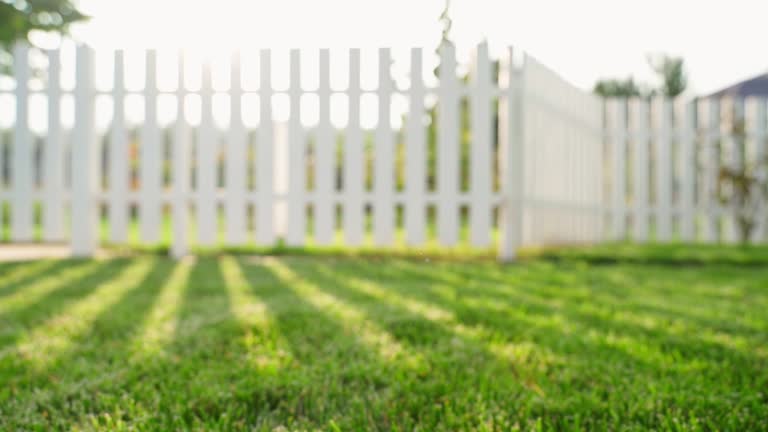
[[755, 86]]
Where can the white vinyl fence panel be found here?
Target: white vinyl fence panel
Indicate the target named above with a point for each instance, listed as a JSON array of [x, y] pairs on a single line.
[[562, 160], [529, 160], [691, 142]]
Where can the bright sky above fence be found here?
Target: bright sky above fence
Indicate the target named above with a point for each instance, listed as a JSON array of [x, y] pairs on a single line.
[[582, 40]]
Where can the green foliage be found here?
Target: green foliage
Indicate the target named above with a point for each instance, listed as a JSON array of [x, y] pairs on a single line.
[[671, 72], [610, 338], [617, 88], [20, 17], [743, 186]]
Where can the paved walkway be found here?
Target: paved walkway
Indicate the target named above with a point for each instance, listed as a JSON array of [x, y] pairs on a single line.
[[32, 251]]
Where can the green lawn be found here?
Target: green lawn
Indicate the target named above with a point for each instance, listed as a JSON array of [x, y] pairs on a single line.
[[613, 338]]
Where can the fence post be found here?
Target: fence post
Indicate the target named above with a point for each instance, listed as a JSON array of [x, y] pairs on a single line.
[[22, 165], [511, 155], [84, 217]]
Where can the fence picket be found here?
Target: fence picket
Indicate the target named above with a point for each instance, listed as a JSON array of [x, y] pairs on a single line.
[[323, 208], [416, 156], [481, 166], [151, 157], [511, 160], [265, 230], [448, 149], [760, 233], [22, 172], [641, 168], [688, 174], [384, 158], [83, 214], [236, 161], [712, 149], [53, 174], [737, 161], [545, 125], [118, 158], [297, 181], [353, 158], [181, 171], [206, 209], [664, 173], [619, 179], [598, 183]]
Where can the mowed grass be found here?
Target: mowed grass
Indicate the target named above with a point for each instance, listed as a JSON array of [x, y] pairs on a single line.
[[617, 338]]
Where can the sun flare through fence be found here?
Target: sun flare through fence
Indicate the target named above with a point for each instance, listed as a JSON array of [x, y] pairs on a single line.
[[505, 156]]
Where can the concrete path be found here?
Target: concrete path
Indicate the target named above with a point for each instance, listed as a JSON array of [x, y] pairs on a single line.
[[32, 251]]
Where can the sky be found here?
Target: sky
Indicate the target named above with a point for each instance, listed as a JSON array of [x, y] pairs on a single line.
[[584, 40]]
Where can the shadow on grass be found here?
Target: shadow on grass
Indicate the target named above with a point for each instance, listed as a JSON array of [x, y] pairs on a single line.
[[692, 299], [662, 255], [323, 369], [528, 292], [438, 253], [98, 356], [13, 276], [59, 297], [437, 343], [576, 365], [328, 360]]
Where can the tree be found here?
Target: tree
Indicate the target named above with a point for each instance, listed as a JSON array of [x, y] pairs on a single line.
[[19, 18], [617, 88], [671, 71]]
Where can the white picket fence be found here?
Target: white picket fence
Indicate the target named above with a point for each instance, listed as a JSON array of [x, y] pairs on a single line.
[[534, 178], [665, 163]]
